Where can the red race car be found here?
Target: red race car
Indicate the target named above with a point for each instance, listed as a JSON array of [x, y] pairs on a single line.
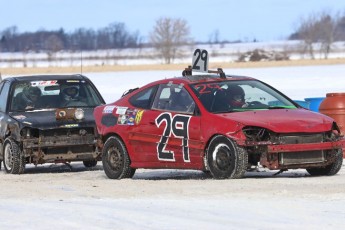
[[222, 125]]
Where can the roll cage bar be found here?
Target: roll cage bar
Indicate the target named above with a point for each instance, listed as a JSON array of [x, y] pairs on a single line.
[[188, 72]]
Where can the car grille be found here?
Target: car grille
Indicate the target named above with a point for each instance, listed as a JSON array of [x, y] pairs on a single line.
[[300, 139], [66, 131], [305, 157], [55, 139]]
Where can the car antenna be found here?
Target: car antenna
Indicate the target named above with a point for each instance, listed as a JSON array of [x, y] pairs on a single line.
[[81, 62]]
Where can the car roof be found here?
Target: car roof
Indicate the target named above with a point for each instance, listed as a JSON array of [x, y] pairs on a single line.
[[47, 77], [194, 79], [207, 78]]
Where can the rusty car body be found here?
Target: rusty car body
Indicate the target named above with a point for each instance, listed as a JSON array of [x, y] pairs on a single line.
[[53, 130]]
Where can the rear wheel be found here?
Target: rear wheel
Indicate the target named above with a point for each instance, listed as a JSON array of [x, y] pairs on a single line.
[[90, 163], [225, 159], [14, 161], [115, 159], [331, 169]]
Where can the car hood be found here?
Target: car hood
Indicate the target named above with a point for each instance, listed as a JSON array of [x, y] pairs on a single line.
[[46, 119], [283, 120]]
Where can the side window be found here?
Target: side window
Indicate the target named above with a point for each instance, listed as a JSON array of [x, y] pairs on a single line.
[[4, 95], [144, 98], [175, 98]]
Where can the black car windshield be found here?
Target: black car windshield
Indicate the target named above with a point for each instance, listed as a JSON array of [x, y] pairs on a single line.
[[35, 95], [234, 96]]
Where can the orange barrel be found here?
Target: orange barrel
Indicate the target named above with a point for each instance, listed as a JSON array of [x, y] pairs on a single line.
[[334, 106]]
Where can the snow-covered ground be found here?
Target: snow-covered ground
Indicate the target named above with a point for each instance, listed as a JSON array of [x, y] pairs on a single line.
[[56, 197], [296, 82], [229, 52]]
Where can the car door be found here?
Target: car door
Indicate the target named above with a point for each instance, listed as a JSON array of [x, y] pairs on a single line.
[[4, 90], [170, 131]]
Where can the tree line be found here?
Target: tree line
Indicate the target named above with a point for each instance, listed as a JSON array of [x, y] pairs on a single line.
[[168, 36], [113, 36]]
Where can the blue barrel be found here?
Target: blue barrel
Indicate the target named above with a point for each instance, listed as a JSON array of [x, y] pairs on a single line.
[[314, 103]]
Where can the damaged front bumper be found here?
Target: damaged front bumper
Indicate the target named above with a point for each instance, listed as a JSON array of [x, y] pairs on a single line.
[[301, 155], [57, 149]]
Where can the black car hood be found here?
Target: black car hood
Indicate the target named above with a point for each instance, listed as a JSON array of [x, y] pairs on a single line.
[[46, 119]]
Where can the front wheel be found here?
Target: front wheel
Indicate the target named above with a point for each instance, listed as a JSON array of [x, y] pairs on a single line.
[[226, 159], [331, 169], [115, 159], [14, 160]]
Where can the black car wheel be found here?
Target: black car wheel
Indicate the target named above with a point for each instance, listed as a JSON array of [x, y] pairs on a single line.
[[115, 159], [225, 159], [331, 169], [90, 163], [14, 161]]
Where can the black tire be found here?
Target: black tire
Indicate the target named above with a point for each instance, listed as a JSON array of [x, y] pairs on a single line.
[[207, 173], [90, 163], [331, 169], [225, 159], [115, 159], [131, 173], [14, 160]]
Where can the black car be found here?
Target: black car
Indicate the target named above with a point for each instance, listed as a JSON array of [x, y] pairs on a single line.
[[47, 119]]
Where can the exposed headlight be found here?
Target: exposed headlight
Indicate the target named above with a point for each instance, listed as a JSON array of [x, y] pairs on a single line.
[[254, 133], [79, 114], [25, 133]]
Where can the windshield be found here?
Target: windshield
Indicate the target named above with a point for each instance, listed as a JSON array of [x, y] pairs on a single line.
[[32, 95], [231, 96]]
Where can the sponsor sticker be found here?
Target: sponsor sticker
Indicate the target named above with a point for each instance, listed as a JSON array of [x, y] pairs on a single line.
[[138, 116], [131, 120], [44, 83], [122, 120], [108, 109], [121, 110]]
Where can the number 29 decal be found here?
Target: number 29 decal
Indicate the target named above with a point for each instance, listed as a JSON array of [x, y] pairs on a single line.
[[178, 126], [200, 60]]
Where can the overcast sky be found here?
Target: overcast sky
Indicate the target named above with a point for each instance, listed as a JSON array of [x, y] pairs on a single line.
[[264, 20]]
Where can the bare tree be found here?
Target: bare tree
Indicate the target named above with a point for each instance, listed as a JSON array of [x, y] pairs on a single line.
[[53, 44], [6, 36], [326, 27], [168, 36], [214, 37], [340, 27], [307, 32], [317, 28]]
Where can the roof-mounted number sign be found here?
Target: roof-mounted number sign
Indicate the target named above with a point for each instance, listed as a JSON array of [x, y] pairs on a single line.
[[200, 60]]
